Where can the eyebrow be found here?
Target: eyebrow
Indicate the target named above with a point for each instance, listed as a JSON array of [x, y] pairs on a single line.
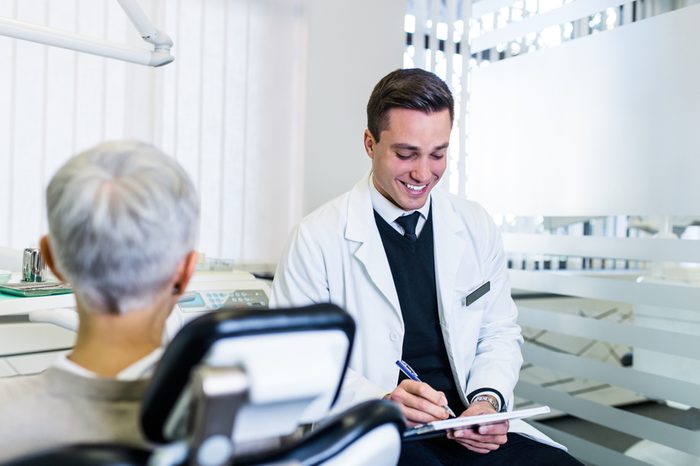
[[404, 146]]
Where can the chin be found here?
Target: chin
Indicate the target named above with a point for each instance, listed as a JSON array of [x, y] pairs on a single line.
[[413, 204]]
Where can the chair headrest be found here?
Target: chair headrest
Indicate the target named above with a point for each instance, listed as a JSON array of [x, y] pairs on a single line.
[[194, 342]]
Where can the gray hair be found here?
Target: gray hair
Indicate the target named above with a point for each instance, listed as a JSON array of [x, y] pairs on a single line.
[[122, 216]]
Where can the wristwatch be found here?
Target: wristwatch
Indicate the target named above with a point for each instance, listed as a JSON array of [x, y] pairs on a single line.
[[487, 398]]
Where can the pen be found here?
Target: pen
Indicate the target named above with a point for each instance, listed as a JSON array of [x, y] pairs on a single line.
[[411, 374]]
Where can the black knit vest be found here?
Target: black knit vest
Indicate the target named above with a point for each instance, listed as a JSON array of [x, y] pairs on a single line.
[[413, 270]]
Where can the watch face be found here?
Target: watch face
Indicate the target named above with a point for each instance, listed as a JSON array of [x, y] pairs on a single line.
[[489, 399]]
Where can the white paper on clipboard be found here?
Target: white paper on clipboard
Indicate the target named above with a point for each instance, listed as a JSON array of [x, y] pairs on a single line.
[[461, 422]]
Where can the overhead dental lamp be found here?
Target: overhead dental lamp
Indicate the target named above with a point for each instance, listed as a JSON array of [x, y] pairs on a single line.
[[160, 55]]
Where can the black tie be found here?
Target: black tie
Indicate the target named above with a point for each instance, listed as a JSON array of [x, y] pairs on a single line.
[[408, 223]]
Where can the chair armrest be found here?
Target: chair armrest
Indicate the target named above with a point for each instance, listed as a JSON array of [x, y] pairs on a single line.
[[334, 435]]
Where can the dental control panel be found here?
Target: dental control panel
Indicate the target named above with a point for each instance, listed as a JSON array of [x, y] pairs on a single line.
[[205, 301], [210, 291]]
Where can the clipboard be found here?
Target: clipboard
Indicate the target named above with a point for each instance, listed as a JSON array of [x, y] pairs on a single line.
[[436, 428]]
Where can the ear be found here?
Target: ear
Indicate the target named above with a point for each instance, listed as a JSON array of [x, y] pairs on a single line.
[[369, 143], [47, 255], [184, 273]]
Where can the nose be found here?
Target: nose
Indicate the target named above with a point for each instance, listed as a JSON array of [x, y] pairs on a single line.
[[421, 170]]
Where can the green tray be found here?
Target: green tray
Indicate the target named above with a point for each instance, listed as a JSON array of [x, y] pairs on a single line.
[[27, 290]]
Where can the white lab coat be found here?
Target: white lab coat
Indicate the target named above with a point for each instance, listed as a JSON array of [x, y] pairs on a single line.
[[336, 254]]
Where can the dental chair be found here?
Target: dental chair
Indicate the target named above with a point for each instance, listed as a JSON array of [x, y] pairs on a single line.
[[241, 386]]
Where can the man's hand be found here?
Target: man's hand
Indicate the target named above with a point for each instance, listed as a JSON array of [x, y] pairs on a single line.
[[481, 439], [419, 402]]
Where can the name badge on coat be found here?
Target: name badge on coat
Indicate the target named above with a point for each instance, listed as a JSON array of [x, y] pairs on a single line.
[[472, 297]]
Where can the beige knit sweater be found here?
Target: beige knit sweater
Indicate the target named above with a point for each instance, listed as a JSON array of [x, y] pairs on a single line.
[[57, 407]]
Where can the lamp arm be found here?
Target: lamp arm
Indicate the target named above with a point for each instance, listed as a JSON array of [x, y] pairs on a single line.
[[52, 37], [143, 25]]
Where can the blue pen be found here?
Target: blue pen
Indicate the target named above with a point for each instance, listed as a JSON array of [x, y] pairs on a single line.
[[411, 374]]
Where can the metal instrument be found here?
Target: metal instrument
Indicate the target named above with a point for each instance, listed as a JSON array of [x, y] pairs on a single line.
[[33, 265]]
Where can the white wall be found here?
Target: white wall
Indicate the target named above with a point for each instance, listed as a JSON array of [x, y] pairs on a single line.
[[52, 102], [606, 124], [351, 45], [230, 109]]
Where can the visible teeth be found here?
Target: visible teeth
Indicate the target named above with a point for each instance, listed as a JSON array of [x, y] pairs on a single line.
[[414, 187]]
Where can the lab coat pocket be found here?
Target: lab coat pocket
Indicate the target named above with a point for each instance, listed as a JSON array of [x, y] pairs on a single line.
[[467, 319]]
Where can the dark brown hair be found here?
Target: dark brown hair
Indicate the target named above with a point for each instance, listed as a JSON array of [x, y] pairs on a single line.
[[414, 89]]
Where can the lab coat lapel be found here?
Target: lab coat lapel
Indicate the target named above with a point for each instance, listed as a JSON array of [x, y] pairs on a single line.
[[450, 236], [361, 228]]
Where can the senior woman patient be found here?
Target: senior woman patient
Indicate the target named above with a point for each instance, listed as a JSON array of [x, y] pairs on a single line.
[[122, 222]]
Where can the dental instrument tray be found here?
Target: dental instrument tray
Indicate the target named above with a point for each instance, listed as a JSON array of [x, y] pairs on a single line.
[[33, 289]]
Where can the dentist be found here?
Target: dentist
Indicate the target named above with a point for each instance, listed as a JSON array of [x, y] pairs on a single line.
[[423, 273]]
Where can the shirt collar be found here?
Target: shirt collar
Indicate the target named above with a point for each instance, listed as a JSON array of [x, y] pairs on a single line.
[[390, 211], [65, 364], [138, 370]]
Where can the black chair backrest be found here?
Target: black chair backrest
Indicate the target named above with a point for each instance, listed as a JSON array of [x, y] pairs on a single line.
[[193, 342], [86, 455]]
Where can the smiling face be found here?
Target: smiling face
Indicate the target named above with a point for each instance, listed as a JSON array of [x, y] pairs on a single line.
[[411, 155]]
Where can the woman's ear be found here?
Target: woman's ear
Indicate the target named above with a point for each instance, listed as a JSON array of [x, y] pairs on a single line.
[[184, 273], [47, 255]]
